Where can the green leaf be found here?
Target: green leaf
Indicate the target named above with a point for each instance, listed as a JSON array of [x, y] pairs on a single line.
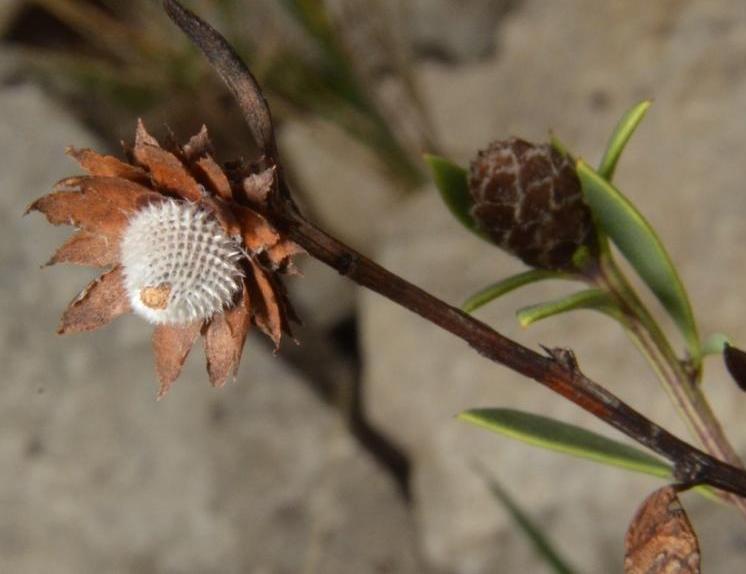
[[531, 529], [639, 243], [594, 299], [451, 180], [510, 284], [619, 138], [715, 344], [565, 438]]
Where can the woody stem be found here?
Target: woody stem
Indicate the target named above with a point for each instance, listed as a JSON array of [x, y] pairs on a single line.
[[557, 371]]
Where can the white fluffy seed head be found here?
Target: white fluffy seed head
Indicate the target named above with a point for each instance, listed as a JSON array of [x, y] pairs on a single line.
[[179, 264]]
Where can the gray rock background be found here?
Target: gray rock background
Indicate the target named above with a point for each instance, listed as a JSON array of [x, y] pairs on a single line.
[[264, 476]]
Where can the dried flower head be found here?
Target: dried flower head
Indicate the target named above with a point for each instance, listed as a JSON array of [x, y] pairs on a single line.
[[528, 198], [187, 246]]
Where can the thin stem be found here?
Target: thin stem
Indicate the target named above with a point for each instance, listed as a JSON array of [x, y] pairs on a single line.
[[680, 385]]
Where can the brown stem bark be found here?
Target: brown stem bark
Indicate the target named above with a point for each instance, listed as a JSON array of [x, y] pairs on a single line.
[[557, 370]]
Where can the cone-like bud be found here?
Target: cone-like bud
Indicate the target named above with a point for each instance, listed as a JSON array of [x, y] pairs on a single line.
[[528, 198]]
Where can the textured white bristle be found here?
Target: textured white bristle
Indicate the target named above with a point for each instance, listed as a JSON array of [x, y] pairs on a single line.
[[179, 264]]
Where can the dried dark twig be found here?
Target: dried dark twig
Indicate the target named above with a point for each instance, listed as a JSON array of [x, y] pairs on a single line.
[[233, 71], [558, 371]]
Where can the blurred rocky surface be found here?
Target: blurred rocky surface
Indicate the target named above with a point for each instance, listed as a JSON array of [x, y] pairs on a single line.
[[98, 477], [455, 31], [573, 67]]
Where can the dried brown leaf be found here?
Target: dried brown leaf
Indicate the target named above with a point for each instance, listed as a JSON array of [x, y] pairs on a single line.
[[224, 340], [280, 254], [171, 345], [107, 165], [258, 186], [660, 539], [258, 234], [87, 248], [94, 203], [266, 304], [99, 303], [198, 145], [167, 172], [142, 137], [214, 177]]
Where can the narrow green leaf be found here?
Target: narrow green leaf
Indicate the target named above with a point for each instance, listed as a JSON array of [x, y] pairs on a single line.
[[565, 438], [639, 243], [569, 439], [509, 284], [594, 299], [533, 531], [715, 344], [451, 180], [619, 138]]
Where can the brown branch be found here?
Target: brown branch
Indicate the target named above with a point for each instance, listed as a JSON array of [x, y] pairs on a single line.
[[557, 370]]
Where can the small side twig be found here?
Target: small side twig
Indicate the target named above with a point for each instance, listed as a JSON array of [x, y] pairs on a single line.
[[558, 371]]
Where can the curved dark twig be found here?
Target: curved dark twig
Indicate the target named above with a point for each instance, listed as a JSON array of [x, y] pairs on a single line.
[[233, 71]]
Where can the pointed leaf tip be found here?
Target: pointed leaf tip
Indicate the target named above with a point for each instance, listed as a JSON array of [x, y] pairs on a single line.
[[620, 137]]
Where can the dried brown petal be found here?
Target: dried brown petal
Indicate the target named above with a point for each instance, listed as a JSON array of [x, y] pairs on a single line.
[[258, 186], [266, 305], [142, 137], [97, 204], [87, 248], [171, 345], [224, 340], [258, 235], [280, 255], [107, 165], [660, 539], [102, 301], [214, 177], [198, 145], [167, 171]]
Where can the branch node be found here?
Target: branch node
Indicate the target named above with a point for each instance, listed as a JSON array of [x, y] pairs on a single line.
[[690, 469], [563, 357], [347, 263]]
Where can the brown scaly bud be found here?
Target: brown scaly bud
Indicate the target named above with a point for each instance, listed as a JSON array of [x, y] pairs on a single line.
[[528, 199]]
